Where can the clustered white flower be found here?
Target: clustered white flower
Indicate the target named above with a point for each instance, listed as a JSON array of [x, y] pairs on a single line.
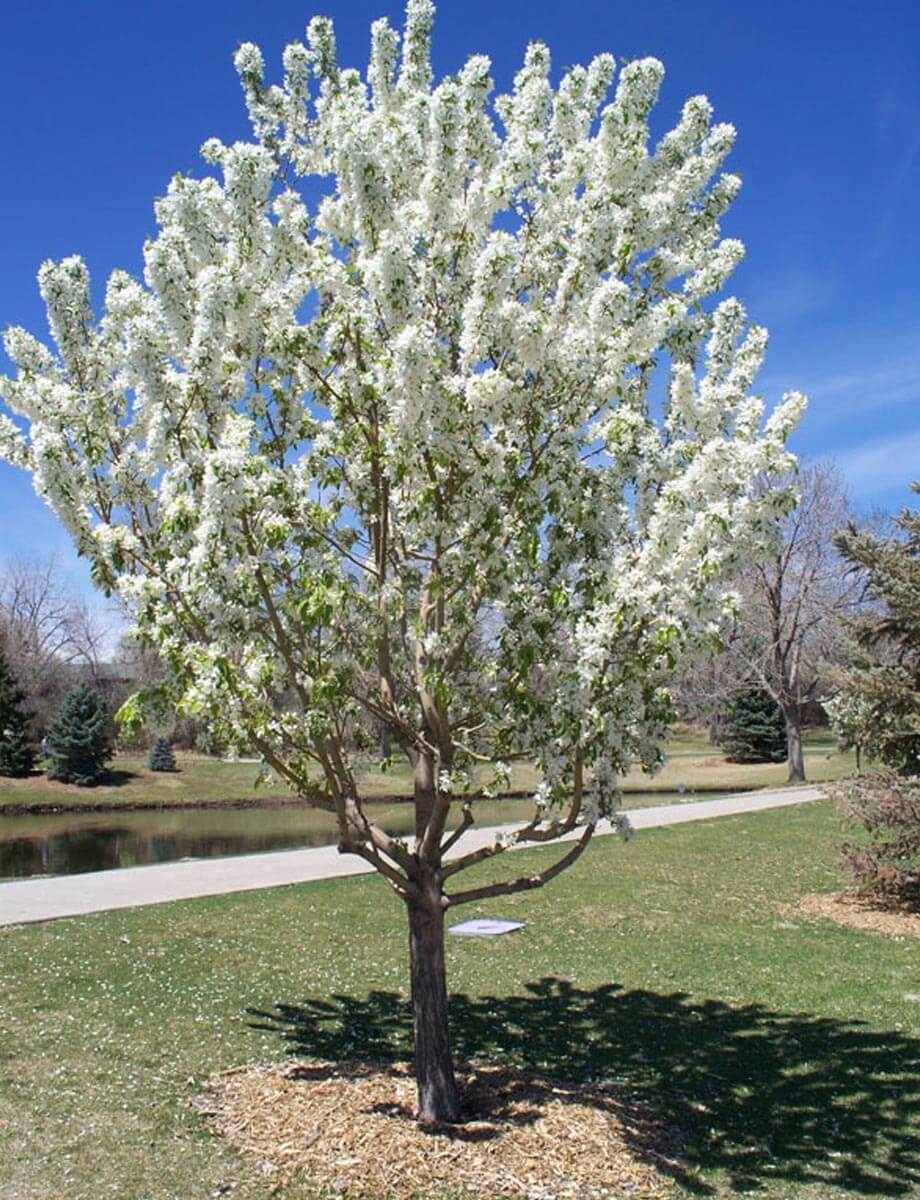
[[403, 454]]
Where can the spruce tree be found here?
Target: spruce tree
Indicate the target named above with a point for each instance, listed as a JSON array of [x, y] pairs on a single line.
[[877, 706], [78, 740], [754, 728], [877, 710], [16, 755], [161, 757]]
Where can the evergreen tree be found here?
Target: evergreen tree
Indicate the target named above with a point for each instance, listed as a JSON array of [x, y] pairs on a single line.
[[754, 728], [877, 706], [161, 756], [877, 710], [883, 859], [78, 740], [16, 755]]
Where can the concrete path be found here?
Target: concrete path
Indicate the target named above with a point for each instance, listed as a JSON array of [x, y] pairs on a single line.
[[73, 895]]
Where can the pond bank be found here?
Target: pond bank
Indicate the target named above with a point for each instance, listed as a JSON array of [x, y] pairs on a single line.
[[46, 899], [64, 843], [55, 807]]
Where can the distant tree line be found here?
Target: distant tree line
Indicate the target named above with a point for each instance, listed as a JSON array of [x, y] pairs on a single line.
[[53, 642], [59, 686], [51, 639]]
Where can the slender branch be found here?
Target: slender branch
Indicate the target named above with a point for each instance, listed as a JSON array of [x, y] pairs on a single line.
[[468, 820], [524, 883], [532, 831], [403, 886], [381, 840]]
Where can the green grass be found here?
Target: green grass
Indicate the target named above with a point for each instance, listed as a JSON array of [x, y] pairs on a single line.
[[201, 780], [785, 1049]]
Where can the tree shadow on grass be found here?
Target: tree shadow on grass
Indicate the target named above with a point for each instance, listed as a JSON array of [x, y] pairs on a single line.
[[118, 777], [761, 1096]]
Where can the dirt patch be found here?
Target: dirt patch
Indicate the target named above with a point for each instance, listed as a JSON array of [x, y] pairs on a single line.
[[351, 1128], [858, 913]]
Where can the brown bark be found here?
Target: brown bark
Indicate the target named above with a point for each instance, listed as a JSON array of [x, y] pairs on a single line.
[[438, 1098], [426, 902], [424, 787], [793, 718]]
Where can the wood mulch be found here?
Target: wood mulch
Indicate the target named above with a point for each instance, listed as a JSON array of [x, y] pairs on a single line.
[[860, 913], [350, 1130]]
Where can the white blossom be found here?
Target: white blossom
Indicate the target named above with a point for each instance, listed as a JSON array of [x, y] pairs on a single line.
[[376, 436]]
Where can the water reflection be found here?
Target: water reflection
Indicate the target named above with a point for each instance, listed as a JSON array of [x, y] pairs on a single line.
[[70, 843]]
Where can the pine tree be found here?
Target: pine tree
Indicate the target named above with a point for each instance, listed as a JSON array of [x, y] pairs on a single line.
[[16, 755], [78, 740], [161, 756], [754, 728], [877, 706], [877, 709]]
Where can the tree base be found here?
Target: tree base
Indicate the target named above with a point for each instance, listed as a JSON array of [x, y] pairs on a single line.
[[351, 1127], [438, 1096]]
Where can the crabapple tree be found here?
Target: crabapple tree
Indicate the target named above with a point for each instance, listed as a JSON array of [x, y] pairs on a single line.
[[421, 414]]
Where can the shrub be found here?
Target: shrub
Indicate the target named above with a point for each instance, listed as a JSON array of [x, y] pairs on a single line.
[[884, 862]]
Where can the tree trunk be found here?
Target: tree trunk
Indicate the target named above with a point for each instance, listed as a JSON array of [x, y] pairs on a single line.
[[793, 717], [438, 1099], [423, 781]]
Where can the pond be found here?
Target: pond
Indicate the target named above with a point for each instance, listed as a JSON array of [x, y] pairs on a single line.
[[70, 843]]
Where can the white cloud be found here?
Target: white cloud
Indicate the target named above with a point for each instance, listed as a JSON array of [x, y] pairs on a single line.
[[873, 382], [886, 465], [788, 297]]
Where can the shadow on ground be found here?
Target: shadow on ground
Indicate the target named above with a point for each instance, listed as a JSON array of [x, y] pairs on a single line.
[[118, 778], [761, 1096]]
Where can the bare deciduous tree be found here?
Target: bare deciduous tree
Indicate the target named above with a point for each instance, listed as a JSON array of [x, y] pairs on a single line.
[[51, 636], [796, 602], [792, 620]]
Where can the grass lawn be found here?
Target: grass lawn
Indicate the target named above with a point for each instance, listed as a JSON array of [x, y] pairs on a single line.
[[201, 780], [786, 1050]]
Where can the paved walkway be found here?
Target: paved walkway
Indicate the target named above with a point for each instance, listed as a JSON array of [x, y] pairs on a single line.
[[73, 895]]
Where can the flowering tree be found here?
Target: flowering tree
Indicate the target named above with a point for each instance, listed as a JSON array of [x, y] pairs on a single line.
[[401, 456]]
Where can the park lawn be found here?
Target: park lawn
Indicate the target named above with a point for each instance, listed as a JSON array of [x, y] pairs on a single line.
[[203, 780], [200, 779], [691, 761], [786, 1050]]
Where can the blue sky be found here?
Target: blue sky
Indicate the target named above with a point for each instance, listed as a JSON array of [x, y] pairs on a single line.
[[104, 101]]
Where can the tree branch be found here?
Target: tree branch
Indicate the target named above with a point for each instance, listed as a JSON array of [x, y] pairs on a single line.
[[524, 883]]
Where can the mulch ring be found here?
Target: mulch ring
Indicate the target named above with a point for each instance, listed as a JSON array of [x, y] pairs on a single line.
[[860, 913], [351, 1129]]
